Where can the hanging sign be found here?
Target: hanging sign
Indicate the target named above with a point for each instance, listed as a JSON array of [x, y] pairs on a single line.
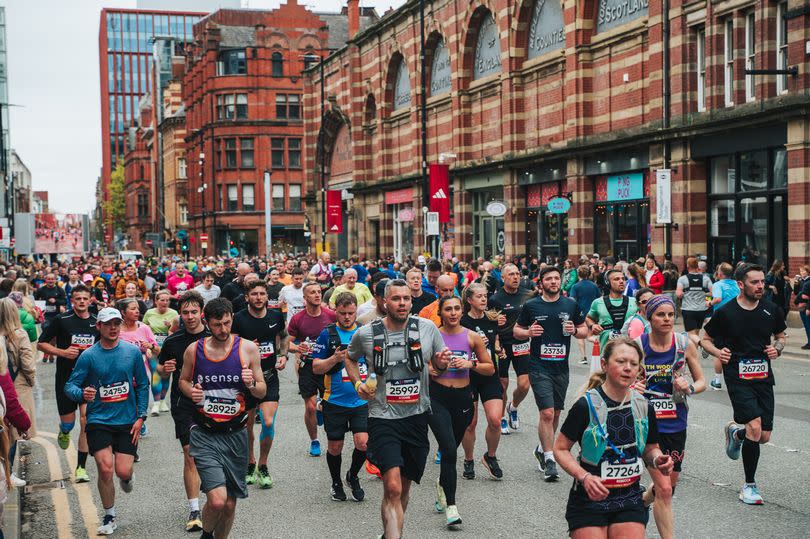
[[440, 191], [559, 205], [496, 208], [406, 215], [334, 211], [663, 196]]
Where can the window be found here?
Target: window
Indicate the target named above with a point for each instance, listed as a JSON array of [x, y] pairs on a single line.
[[701, 69], [143, 205], [277, 152], [241, 106], [294, 107], [248, 199], [278, 64], [278, 197], [230, 106], [294, 152], [232, 197], [230, 153], [750, 54], [232, 62], [781, 46], [183, 214], [281, 105], [728, 62], [182, 169], [246, 152], [295, 197]]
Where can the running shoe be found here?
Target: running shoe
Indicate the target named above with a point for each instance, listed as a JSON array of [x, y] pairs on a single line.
[[512, 417], [492, 466], [19, 483], [354, 485], [373, 470], [806, 346], [550, 470], [505, 427], [251, 476], [81, 475], [453, 519], [733, 445], [194, 523], [749, 494], [164, 406], [541, 461], [63, 439], [315, 448], [441, 499], [583, 361], [264, 480], [338, 494], [716, 384], [319, 412], [126, 486], [438, 459], [155, 411], [108, 526], [469, 469]]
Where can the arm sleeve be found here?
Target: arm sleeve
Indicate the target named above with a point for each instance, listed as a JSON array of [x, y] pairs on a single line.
[[142, 384], [578, 317], [652, 433], [73, 387], [577, 420], [49, 331], [593, 312], [29, 325], [61, 297], [27, 363]]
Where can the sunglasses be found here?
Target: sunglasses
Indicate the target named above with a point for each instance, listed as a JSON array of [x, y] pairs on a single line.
[[643, 302]]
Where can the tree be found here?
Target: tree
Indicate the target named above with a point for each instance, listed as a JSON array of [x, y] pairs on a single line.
[[115, 207]]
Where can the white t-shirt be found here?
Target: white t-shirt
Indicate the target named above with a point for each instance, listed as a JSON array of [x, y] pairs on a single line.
[[294, 298], [208, 294]]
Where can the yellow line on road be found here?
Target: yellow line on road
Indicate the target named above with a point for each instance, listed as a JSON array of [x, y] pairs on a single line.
[[59, 497], [86, 504]]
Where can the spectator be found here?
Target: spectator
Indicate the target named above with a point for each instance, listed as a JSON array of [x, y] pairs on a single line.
[[26, 320], [653, 275], [802, 301], [776, 285], [569, 277], [635, 280]]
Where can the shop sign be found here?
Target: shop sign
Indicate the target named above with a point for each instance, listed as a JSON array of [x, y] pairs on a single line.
[[624, 187], [406, 215], [501, 241], [613, 13], [440, 73], [496, 208], [432, 223], [559, 205], [401, 196], [663, 196]]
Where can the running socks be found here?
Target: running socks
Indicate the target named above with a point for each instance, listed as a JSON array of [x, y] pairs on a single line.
[[750, 458], [358, 458], [82, 460], [193, 504], [110, 511], [548, 455], [334, 466]]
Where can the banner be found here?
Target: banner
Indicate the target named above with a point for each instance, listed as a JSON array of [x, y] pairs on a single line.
[[440, 191], [58, 233], [663, 196], [334, 211]]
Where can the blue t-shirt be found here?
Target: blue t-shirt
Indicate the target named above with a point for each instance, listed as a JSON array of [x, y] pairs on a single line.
[[726, 290], [338, 388], [362, 273], [584, 292]]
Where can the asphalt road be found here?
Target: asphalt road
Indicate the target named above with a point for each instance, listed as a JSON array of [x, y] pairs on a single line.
[[521, 505]]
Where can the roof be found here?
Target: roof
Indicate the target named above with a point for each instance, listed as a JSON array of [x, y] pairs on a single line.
[[338, 24], [237, 36]]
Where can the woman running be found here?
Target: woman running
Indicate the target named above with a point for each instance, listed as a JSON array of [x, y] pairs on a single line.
[[665, 355], [637, 324], [160, 319], [616, 429], [451, 398], [139, 334], [487, 388], [131, 292]]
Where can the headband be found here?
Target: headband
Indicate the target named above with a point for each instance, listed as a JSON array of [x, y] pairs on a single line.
[[655, 302]]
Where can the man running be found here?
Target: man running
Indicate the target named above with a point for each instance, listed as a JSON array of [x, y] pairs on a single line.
[[110, 376], [607, 314], [265, 327], [73, 333], [292, 295], [549, 321], [739, 334], [343, 409], [723, 291], [170, 363], [350, 284], [218, 374], [692, 289], [419, 298], [444, 287], [509, 301], [398, 410]]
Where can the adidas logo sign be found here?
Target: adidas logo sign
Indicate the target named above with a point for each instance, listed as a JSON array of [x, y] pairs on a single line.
[[334, 227], [440, 194]]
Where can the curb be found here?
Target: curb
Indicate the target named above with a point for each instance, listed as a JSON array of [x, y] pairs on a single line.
[[12, 511]]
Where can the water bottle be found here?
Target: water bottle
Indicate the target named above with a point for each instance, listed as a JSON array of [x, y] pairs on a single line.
[[563, 319], [371, 382]]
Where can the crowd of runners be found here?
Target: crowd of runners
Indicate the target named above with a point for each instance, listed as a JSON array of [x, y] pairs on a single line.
[[397, 354]]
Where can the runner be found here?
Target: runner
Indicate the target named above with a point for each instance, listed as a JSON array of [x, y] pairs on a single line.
[[616, 430], [208, 288], [444, 287], [273, 290], [343, 409], [73, 333], [666, 353], [219, 387], [160, 319], [508, 301], [292, 295], [139, 334], [637, 325], [739, 334], [486, 388], [110, 377], [419, 298], [305, 327], [170, 363], [607, 314], [398, 413], [350, 284], [265, 327], [692, 290], [549, 321], [723, 291], [451, 399]]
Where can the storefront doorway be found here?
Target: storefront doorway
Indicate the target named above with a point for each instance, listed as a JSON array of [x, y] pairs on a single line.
[[489, 234], [622, 215], [547, 232]]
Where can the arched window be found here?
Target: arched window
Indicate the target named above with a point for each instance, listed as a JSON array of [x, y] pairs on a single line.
[[440, 72], [278, 64], [547, 29], [487, 49], [402, 87]]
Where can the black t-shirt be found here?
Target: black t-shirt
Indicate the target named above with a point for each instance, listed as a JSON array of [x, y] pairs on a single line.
[[222, 280], [510, 306], [552, 348], [421, 302], [239, 303], [232, 290], [262, 330], [273, 290], [485, 327], [746, 333], [69, 329], [48, 293], [173, 348]]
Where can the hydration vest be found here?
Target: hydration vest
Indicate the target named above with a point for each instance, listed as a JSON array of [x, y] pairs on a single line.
[[617, 313], [413, 344], [595, 438], [678, 361], [334, 344], [695, 282]]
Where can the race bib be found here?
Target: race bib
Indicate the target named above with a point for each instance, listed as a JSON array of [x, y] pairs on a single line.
[[220, 408], [50, 308], [616, 474], [273, 304], [82, 342], [117, 392], [552, 352], [664, 408], [161, 338], [753, 369], [266, 350], [402, 391], [521, 349], [344, 376]]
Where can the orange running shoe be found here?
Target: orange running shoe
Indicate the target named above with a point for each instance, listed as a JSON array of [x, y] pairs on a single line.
[[373, 470]]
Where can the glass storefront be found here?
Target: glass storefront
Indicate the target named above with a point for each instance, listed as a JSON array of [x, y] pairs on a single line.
[[547, 232], [621, 219], [489, 236], [403, 230], [747, 207]]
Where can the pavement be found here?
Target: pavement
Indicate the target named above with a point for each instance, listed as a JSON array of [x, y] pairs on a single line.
[[522, 505]]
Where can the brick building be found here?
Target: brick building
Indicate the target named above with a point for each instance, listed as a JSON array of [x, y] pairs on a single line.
[[242, 93], [174, 161], [138, 178], [533, 99]]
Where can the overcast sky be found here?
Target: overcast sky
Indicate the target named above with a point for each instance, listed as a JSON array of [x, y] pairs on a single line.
[[53, 77]]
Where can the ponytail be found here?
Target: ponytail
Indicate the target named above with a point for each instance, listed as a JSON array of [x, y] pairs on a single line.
[[598, 378]]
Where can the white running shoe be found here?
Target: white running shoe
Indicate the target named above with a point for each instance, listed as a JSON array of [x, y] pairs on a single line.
[[164, 406], [108, 526], [453, 518], [17, 482], [155, 411]]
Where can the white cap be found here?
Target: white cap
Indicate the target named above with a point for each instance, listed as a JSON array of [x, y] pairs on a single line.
[[108, 313]]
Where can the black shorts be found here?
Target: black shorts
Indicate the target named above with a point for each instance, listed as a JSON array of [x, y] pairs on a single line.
[[693, 319], [580, 517], [116, 436], [337, 420], [485, 388], [399, 443], [674, 445], [309, 383], [64, 404], [183, 420], [751, 400], [519, 363], [549, 388], [272, 394]]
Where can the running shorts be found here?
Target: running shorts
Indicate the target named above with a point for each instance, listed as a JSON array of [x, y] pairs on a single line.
[[693, 319], [309, 384], [337, 420], [485, 387], [520, 363], [183, 420], [119, 437], [751, 400], [674, 445], [579, 517], [221, 459], [549, 388], [399, 443]]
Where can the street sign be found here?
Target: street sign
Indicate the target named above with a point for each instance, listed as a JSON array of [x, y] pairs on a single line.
[[149, 243], [203, 237], [406, 215], [496, 208], [182, 234], [204, 244], [432, 223]]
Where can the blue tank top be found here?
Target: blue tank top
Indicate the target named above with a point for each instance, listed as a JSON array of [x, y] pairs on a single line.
[[224, 408], [670, 416]]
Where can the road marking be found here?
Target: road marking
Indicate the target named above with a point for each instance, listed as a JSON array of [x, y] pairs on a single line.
[[59, 497]]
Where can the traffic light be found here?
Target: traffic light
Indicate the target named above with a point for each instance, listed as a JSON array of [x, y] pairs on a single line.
[[185, 244]]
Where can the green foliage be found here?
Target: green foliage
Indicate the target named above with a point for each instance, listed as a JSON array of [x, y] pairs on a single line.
[[115, 208]]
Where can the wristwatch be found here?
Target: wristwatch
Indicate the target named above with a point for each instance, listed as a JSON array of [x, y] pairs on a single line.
[[143, 418], [691, 389], [779, 345]]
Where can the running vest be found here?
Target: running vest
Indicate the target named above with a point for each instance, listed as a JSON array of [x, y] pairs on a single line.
[[334, 344], [695, 283], [595, 438], [459, 345], [660, 368], [617, 313], [415, 360], [223, 409]]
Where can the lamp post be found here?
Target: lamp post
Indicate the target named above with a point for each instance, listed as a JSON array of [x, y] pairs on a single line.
[[316, 58], [268, 228], [201, 189]]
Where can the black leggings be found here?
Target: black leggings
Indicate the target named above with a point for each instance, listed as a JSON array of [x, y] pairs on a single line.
[[452, 412]]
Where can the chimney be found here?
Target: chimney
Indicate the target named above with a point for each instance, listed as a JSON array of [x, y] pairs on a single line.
[[354, 17]]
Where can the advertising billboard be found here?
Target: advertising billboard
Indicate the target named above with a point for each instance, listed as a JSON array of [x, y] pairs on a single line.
[[59, 233]]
